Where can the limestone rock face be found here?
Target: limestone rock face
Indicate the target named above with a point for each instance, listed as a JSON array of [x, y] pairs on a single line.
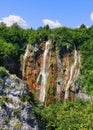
[[51, 77], [15, 110]]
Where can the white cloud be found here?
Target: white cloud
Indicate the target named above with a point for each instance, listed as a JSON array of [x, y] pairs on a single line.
[[91, 16], [51, 23], [11, 19]]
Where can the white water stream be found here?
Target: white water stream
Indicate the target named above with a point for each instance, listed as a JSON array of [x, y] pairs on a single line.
[[24, 58], [43, 73], [71, 73]]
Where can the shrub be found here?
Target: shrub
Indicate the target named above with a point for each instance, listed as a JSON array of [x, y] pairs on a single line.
[[7, 99], [2, 102], [6, 120], [18, 125], [25, 98], [16, 112], [3, 72]]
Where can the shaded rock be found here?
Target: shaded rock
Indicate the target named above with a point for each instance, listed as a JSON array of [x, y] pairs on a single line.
[[83, 95], [1, 91]]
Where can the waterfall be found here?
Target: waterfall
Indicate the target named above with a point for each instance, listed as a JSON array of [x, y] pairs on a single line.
[[43, 73], [24, 58], [71, 73]]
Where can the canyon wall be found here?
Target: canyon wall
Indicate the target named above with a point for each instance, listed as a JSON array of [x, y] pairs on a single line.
[[51, 77]]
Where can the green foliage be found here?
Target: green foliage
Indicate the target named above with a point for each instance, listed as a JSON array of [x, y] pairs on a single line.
[[6, 120], [76, 115], [14, 34], [3, 72], [25, 98], [18, 125], [7, 99], [16, 112], [2, 103], [87, 66], [12, 45], [7, 51]]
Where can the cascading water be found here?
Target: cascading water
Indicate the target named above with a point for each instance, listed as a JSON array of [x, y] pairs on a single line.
[[42, 64], [24, 58], [71, 73], [43, 73]]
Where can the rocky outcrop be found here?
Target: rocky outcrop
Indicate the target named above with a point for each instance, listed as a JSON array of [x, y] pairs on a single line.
[[15, 109], [50, 75]]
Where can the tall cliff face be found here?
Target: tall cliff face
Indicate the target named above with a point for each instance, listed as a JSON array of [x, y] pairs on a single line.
[[50, 77], [71, 66]]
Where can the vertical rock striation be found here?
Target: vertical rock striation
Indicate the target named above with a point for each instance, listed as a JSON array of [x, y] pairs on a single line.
[[51, 77]]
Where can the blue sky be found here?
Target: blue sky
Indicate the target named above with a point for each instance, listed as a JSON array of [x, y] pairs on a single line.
[[36, 13]]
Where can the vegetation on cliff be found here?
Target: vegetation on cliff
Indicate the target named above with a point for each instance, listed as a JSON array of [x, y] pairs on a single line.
[[76, 115], [3, 72]]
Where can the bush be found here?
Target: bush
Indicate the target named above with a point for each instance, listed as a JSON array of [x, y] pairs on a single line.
[[6, 120], [18, 125], [25, 98], [2, 103], [7, 99], [76, 115], [16, 112], [3, 72]]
